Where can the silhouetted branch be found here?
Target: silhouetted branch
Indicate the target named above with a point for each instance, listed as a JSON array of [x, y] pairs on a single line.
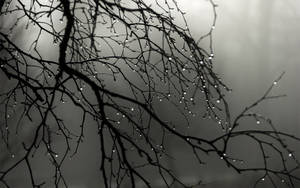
[[100, 45]]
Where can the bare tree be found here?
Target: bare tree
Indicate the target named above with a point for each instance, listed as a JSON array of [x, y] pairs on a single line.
[[147, 48]]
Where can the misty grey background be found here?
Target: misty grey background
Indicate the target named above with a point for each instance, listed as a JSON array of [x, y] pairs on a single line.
[[254, 41]]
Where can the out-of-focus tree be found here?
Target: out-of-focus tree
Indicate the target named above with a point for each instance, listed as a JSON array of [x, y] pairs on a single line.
[[145, 46]]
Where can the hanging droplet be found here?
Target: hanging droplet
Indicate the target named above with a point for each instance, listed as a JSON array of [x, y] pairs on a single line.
[[275, 83], [257, 122], [290, 154]]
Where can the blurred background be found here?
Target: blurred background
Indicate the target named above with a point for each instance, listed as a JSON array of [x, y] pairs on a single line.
[[254, 42]]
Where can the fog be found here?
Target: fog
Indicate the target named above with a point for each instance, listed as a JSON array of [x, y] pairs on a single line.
[[254, 41]]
